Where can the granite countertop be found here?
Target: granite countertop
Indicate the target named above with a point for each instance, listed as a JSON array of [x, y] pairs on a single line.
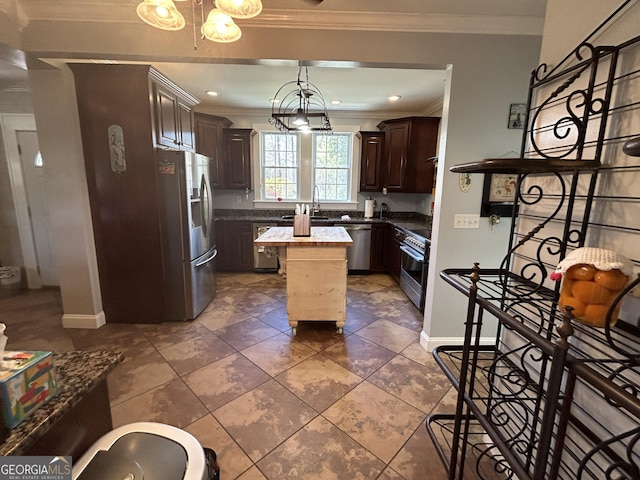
[[405, 222], [76, 374], [320, 237]]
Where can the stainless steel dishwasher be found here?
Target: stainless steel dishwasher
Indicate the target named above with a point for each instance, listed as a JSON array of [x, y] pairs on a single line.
[[261, 260], [358, 254]]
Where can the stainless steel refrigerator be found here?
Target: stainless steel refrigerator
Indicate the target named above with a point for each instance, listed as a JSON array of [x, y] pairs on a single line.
[[187, 232]]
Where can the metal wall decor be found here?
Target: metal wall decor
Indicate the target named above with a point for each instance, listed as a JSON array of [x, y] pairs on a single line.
[[299, 106]]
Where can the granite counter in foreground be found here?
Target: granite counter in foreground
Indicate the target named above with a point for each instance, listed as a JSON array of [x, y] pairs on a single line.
[[77, 374]]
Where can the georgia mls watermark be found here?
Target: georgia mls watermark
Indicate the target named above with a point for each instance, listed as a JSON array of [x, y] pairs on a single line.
[[35, 468]]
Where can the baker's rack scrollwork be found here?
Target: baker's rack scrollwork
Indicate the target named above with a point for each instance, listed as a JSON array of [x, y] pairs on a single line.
[[551, 397], [516, 398]]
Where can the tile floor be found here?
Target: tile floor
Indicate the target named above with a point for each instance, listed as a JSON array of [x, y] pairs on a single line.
[[315, 406]]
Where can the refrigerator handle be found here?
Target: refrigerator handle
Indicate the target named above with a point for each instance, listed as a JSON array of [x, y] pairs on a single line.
[[206, 205], [204, 262]]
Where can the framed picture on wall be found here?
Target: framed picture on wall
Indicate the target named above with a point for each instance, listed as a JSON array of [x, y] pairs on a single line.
[[498, 194], [517, 114]]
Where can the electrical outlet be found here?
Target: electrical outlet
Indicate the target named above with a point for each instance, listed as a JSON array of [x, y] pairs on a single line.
[[466, 221]]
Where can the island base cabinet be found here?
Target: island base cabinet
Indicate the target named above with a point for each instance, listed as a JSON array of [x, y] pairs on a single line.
[[79, 428], [317, 285]]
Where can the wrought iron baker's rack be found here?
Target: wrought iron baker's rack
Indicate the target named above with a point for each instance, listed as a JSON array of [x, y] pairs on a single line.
[[550, 397]]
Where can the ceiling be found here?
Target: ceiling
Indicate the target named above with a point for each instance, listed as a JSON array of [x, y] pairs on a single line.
[[359, 89]]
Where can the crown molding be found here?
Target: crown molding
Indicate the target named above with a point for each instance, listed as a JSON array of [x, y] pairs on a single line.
[[77, 11], [398, 22], [14, 10]]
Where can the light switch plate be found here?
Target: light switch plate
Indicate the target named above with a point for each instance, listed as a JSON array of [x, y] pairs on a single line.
[[466, 221]]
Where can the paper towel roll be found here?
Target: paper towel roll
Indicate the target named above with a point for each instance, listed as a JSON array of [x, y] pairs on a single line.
[[368, 208]]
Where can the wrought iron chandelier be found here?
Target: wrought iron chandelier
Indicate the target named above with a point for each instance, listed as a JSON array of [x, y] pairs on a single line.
[[298, 106], [219, 25]]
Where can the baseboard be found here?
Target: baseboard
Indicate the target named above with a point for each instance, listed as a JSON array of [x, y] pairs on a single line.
[[430, 343], [83, 321]]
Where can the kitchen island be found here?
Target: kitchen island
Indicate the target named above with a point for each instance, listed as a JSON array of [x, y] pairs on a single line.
[[316, 273]]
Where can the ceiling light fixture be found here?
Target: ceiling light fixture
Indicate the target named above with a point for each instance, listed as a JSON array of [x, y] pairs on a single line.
[[394, 98], [213, 93], [240, 8], [161, 14], [302, 107], [219, 26]]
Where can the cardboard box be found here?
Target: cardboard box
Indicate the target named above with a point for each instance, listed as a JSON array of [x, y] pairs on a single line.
[[27, 381]]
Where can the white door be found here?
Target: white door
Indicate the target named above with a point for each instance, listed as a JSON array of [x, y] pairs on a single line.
[[33, 174]]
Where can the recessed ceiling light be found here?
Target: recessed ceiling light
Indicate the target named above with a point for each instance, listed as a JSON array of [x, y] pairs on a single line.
[[274, 100], [394, 98], [336, 102], [212, 93]]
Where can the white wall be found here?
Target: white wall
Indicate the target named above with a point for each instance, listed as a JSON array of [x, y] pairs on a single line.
[[489, 73], [58, 128], [11, 21], [584, 17]]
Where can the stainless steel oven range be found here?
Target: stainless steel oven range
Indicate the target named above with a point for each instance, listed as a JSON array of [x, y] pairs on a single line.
[[414, 265]]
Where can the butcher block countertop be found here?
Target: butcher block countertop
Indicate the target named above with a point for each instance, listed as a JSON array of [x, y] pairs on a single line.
[[320, 237]]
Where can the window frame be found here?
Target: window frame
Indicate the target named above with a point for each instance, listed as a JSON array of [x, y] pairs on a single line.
[[263, 167], [306, 172], [348, 168]]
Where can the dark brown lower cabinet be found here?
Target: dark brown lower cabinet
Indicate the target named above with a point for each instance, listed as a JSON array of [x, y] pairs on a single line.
[[396, 236], [235, 246], [379, 247]]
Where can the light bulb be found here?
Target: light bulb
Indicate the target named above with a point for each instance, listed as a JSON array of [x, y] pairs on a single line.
[[162, 11]]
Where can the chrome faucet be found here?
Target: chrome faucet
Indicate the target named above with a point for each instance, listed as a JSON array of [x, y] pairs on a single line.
[[316, 201]]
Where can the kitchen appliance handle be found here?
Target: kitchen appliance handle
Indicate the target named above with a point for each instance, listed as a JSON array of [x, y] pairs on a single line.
[[204, 262], [206, 205], [357, 227], [411, 253]]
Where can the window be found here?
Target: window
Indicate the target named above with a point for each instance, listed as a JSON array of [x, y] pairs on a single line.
[[291, 164], [280, 166], [332, 165]]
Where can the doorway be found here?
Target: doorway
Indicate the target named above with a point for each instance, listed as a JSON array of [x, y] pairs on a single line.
[[26, 172], [33, 175]]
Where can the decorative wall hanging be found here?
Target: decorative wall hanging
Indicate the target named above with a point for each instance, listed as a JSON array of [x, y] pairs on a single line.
[[517, 114], [116, 149], [498, 194], [464, 182]]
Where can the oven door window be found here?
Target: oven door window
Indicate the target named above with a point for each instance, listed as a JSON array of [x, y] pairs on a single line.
[[412, 263]]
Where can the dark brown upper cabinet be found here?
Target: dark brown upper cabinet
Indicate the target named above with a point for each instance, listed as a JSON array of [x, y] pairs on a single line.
[[371, 156], [410, 143], [173, 115], [238, 148], [209, 142]]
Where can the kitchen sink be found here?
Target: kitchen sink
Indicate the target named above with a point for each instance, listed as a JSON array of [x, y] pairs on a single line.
[[313, 219]]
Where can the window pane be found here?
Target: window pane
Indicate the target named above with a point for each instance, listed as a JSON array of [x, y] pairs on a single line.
[[332, 165], [280, 165]]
